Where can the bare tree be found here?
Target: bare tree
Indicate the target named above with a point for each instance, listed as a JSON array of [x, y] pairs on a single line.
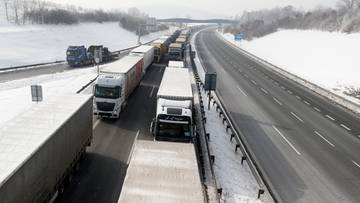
[[348, 4], [16, 8], [6, 5]]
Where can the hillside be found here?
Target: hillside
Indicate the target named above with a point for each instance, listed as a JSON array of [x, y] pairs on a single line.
[[29, 44]]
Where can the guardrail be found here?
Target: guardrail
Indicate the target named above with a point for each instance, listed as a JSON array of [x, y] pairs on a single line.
[[14, 68], [235, 133], [350, 105]]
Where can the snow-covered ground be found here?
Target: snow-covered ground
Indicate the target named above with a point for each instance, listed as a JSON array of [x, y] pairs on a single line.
[[330, 60], [29, 44], [15, 96], [236, 180]]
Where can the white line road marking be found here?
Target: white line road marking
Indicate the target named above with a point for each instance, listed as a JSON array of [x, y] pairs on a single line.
[[299, 98], [96, 123], [276, 83], [322, 137], [132, 147], [152, 91], [246, 75], [287, 141], [316, 109], [329, 117], [241, 91], [307, 103], [277, 101], [253, 82], [282, 87], [290, 92], [344, 126], [266, 92], [354, 162], [296, 116]]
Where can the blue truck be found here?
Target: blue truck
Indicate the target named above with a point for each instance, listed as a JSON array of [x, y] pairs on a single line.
[[80, 56]]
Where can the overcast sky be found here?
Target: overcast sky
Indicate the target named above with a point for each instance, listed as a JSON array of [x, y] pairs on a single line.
[[196, 8]]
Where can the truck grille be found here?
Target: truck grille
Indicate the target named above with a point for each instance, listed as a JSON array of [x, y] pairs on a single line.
[[104, 106]]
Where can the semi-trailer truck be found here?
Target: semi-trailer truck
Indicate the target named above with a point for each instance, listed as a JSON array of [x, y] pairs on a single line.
[[175, 52], [159, 49], [40, 148], [145, 51], [162, 172], [115, 83], [174, 108], [80, 56]]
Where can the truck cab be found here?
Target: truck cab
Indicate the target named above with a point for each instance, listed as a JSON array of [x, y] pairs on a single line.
[[108, 95], [173, 121], [77, 56], [175, 52]]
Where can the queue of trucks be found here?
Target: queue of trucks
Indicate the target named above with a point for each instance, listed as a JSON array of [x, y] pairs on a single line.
[[166, 170], [41, 148], [117, 80]]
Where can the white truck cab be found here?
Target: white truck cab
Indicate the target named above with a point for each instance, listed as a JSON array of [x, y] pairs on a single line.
[[108, 97]]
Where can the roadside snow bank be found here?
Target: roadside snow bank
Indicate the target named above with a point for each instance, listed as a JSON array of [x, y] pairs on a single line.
[[29, 44], [330, 60]]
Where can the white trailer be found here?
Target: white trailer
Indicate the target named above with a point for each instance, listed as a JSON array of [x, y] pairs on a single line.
[[176, 64], [40, 148], [145, 51], [162, 172], [115, 84], [173, 121]]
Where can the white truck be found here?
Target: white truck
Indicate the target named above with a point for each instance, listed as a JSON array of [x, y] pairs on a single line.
[[174, 110], [176, 64], [115, 84], [145, 51], [40, 148], [162, 172]]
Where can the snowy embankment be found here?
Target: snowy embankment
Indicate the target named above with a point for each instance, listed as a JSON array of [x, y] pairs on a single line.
[[329, 60], [236, 179], [15, 96], [29, 44]]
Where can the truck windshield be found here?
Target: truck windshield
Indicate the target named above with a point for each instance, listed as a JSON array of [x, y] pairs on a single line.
[[72, 53], [107, 92], [173, 131]]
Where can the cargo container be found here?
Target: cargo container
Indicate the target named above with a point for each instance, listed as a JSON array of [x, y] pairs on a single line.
[[145, 51], [40, 148], [162, 172], [114, 85], [160, 49]]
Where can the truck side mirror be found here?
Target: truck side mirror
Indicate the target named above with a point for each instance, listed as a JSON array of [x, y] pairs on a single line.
[[152, 127]]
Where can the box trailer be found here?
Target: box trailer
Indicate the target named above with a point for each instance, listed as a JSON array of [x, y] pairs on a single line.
[[145, 51], [115, 84], [162, 172], [40, 148]]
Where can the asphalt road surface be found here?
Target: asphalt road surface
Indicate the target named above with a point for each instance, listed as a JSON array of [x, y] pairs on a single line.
[[104, 168], [307, 147]]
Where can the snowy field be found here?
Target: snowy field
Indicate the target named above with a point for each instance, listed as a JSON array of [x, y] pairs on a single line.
[[330, 60], [29, 44]]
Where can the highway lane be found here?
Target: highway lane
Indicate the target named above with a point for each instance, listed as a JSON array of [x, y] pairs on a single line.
[[298, 138], [104, 168]]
